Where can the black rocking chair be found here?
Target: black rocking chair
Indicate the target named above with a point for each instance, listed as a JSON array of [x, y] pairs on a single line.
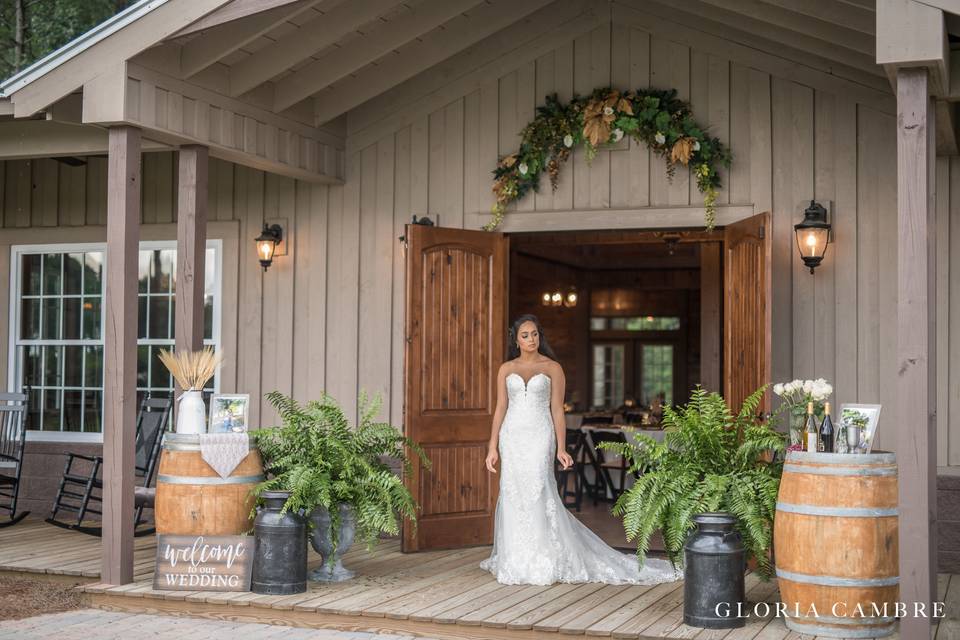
[[79, 491], [13, 411]]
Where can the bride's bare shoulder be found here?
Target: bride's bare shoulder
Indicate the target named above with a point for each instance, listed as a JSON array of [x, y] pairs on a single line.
[[553, 368]]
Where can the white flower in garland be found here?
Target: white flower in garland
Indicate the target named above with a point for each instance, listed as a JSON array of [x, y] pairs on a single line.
[[608, 111], [696, 145], [660, 138], [568, 141], [523, 168], [778, 389], [617, 135]]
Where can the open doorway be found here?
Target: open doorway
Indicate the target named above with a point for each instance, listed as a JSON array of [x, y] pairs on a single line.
[[457, 309], [636, 321]]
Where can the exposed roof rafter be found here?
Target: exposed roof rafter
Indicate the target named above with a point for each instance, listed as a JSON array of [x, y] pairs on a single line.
[[206, 49], [455, 37], [316, 35], [363, 51], [233, 11]]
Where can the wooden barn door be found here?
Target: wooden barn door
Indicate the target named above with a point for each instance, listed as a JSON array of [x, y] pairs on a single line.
[[746, 309], [455, 326]]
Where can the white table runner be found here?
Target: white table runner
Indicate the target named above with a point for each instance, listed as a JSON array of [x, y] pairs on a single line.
[[224, 451]]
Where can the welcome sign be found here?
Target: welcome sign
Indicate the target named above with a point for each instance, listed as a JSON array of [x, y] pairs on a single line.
[[203, 563]]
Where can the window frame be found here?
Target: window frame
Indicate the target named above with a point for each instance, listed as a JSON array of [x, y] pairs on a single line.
[[14, 379]]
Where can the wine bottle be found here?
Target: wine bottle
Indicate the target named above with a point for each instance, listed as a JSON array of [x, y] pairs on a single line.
[[826, 430], [813, 437]]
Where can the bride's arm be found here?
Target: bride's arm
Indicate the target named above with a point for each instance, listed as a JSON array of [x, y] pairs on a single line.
[[558, 384], [498, 413]]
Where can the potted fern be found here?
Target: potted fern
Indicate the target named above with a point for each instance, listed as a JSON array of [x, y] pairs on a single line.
[[710, 460], [335, 474]]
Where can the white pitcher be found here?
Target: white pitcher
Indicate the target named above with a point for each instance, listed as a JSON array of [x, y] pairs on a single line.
[[191, 414]]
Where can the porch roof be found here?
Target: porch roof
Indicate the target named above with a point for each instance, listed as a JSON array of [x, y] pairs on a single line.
[[269, 83]]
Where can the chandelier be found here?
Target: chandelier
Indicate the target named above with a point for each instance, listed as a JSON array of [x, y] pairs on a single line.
[[557, 298]]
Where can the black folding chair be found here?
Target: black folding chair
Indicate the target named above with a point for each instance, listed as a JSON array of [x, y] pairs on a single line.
[[606, 461], [82, 493], [13, 430], [574, 444]]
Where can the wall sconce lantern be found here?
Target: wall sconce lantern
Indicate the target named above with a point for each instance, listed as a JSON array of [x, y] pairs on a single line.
[[267, 243], [813, 234]]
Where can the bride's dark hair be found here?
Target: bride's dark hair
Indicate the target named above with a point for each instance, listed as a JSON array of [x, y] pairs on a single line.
[[514, 350]]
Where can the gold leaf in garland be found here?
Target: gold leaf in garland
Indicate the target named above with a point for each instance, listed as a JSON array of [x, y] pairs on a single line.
[[682, 150], [596, 122], [510, 160]]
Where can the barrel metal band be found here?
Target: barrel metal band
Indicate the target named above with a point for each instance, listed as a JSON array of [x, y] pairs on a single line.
[[847, 620], [209, 479], [817, 630], [840, 512], [831, 581], [840, 471]]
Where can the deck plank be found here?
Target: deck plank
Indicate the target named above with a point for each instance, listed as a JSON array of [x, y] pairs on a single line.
[[523, 614]]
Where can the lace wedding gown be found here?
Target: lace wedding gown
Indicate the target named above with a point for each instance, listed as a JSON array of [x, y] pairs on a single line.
[[536, 540]]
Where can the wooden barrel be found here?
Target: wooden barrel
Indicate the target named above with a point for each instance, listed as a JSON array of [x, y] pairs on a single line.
[[835, 539], [192, 499]]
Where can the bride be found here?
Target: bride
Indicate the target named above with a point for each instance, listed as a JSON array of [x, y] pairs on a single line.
[[536, 540]]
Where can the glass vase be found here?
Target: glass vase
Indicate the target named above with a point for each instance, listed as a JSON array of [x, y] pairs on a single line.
[[798, 423]]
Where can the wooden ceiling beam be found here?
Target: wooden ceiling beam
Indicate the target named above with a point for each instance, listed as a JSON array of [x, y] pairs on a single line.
[[233, 11], [833, 35], [313, 36], [913, 34], [852, 16], [207, 48], [465, 31], [351, 58], [723, 14]]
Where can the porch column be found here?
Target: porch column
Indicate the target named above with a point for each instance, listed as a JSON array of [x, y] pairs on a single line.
[[120, 353], [916, 346], [191, 246]]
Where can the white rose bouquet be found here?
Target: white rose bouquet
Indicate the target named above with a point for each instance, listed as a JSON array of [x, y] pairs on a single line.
[[795, 395]]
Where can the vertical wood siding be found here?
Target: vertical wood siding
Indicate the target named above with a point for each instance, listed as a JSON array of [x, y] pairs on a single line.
[[329, 315]]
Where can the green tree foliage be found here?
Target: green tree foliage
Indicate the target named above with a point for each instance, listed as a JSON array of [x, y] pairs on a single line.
[[322, 460], [709, 460], [30, 29]]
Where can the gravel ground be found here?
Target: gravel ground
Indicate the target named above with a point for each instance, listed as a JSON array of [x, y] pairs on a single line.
[[22, 598]]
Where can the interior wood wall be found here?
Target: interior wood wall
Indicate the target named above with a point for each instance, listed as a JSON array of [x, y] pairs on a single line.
[[329, 315]]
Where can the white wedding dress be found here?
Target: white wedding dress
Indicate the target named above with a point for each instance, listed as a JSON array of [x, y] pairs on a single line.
[[536, 540]]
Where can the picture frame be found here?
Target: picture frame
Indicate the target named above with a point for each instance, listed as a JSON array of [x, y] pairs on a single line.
[[867, 416], [229, 412]]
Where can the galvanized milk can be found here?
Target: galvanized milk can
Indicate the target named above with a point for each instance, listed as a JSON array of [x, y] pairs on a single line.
[[714, 564], [280, 558]]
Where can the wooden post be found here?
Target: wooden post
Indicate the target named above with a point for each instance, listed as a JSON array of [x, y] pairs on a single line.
[[120, 354], [916, 347], [191, 247]]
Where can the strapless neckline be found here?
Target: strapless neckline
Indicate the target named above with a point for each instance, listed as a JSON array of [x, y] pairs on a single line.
[[526, 383]]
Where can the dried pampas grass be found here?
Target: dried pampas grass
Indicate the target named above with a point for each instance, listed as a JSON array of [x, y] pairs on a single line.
[[191, 369]]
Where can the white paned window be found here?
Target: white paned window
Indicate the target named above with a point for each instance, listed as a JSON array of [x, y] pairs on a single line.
[[57, 317]]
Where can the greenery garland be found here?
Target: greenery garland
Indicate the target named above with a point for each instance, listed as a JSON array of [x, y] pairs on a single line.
[[654, 117]]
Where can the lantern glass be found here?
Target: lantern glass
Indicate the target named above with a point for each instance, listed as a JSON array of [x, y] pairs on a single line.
[[556, 298], [812, 241], [265, 249], [571, 299], [545, 299]]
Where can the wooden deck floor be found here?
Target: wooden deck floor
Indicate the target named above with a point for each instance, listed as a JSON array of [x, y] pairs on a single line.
[[437, 594], [35, 547]]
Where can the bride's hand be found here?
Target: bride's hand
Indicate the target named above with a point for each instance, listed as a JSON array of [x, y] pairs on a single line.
[[491, 461], [565, 460]]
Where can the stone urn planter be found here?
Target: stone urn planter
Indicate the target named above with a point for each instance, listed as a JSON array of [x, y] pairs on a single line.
[[332, 569]]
